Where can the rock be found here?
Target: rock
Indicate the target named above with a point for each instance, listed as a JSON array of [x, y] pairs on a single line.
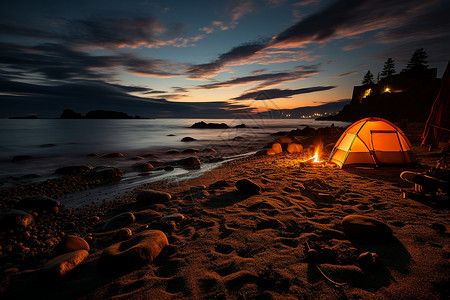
[[265, 152], [240, 126], [71, 243], [72, 170], [119, 221], [113, 155], [294, 148], [142, 166], [247, 186], [147, 216], [92, 155], [63, 264], [219, 184], [208, 150], [171, 134], [138, 251], [176, 217], [13, 218], [188, 139], [189, 151], [122, 234], [276, 147], [190, 162], [168, 168], [366, 229], [285, 140], [137, 158], [173, 151], [105, 174], [368, 260], [148, 197], [37, 202], [203, 125]]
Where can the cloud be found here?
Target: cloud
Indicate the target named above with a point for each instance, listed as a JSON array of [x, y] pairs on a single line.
[[84, 96], [242, 8], [265, 79], [259, 71], [345, 74], [279, 93], [59, 62]]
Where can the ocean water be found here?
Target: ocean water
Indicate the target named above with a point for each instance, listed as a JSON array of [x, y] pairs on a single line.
[[55, 142]]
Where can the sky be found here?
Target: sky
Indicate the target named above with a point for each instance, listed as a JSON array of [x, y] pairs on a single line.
[[205, 58]]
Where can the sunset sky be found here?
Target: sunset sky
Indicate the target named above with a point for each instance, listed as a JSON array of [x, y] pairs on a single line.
[[205, 58]]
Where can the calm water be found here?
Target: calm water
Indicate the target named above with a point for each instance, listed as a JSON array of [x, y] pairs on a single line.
[[56, 142]]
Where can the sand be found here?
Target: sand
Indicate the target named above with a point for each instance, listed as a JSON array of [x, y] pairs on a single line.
[[238, 246]]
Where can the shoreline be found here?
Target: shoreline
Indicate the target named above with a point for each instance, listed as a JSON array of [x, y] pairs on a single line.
[[243, 246]]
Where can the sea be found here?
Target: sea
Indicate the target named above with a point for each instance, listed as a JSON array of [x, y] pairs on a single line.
[[53, 143]]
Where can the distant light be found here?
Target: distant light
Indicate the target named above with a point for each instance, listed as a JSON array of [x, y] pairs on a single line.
[[367, 93], [387, 90]]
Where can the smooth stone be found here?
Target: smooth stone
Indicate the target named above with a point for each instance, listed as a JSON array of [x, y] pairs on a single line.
[[190, 151], [294, 148], [188, 139], [265, 152], [119, 221], [219, 184], [284, 140], [366, 229], [71, 243], [142, 166], [13, 218], [63, 264], [172, 152], [174, 217], [247, 186], [276, 147], [122, 234], [147, 197], [190, 162], [368, 260], [138, 251], [168, 168], [37, 202]]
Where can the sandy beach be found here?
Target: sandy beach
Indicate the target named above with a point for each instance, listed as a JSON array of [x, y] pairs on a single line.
[[285, 241]]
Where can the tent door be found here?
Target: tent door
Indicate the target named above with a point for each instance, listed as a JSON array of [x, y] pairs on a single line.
[[386, 147]]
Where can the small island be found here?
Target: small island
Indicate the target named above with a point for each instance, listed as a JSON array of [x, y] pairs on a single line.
[[96, 114]]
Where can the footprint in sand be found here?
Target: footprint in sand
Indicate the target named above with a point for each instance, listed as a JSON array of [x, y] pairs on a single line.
[[176, 285], [381, 206], [362, 207], [290, 242], [170, 268], [224, 248], [227, 269]]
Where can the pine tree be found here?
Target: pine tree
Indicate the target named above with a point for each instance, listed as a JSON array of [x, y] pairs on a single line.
[[389, 68], [368, 79], [417, 61]]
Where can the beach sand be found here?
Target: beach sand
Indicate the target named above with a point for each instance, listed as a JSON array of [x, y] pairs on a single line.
[[233, 245]]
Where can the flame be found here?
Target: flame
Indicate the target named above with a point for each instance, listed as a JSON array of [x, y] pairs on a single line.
[[316, 157]]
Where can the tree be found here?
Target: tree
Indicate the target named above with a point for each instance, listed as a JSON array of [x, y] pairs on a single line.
[[389, 68], [368, 79], [417, 61]]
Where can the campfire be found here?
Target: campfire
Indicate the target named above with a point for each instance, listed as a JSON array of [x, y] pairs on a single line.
[[316, 158]]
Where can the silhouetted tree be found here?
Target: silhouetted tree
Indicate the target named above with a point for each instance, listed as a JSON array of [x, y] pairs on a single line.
[[368, 79], [389, 68], [417, 61]]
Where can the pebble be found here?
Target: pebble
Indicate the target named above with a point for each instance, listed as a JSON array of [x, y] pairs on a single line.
[[119, 221], [71, 243], [368, 260], [63, 264], [148, 197], [13, 219]]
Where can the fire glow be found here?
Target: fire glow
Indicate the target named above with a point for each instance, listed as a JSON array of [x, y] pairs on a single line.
[[315, 159]]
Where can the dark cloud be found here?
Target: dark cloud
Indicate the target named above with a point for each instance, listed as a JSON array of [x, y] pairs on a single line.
[[234, 55], [84, 96], [278, 93], [59, 62], [266, 79]]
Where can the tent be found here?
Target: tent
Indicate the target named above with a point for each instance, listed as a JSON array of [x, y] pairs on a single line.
[[439, 120], [372, 141]]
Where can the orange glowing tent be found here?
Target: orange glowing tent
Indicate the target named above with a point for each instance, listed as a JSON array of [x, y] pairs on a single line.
[[372, 141]]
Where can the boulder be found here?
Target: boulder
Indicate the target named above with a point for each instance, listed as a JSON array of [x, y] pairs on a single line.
[[63, 264], [203, 125], [113, 155], [247, 186], [119, 221], [148, 197], [37, 202], [105, 174], [73, 170], [188, 139], [190, 151], [71, 243], [285, 140], [190, 162], [172, 152], [276, 147], [138, 251], [294, 148], [366, 229], [13, 218], [241, 126], [142, 166]]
